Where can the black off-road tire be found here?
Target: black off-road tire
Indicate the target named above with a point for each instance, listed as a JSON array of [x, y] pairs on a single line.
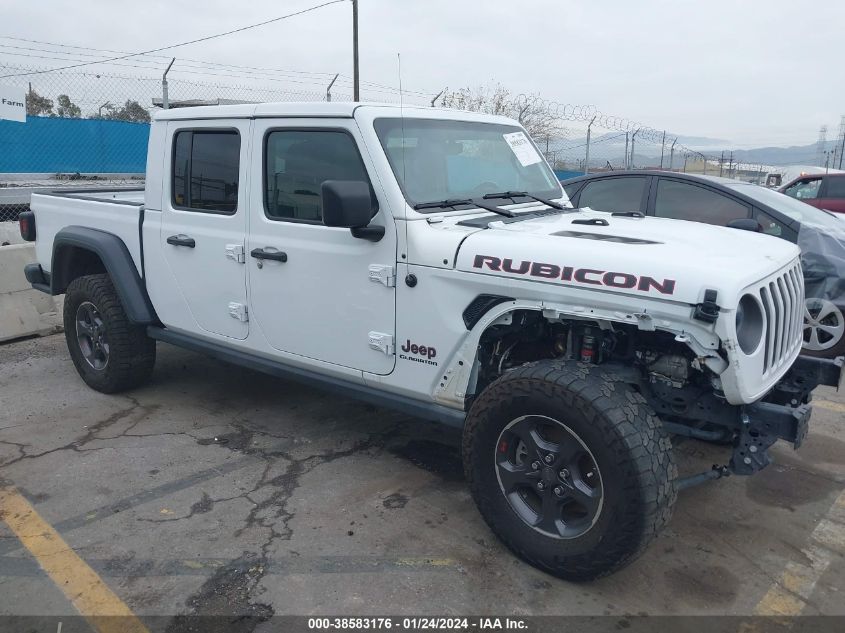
[[131, 353], [629, 445]]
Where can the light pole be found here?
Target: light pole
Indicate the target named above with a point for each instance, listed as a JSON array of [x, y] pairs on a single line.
[[356, 95]]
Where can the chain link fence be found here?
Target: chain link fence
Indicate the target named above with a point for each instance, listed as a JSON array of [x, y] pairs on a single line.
[[89, 129]]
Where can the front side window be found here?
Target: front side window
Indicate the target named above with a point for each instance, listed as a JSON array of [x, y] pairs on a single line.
[[615, 195], [806, 189], [435, 159], [683, 201], [298, 162], [206, 164]]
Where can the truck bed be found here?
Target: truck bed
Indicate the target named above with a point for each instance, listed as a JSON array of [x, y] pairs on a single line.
[[117, 211]]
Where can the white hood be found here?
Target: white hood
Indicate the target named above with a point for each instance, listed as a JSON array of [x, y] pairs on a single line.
[[655, 257]]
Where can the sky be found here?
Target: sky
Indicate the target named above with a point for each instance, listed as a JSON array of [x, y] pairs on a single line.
[[748, 71]]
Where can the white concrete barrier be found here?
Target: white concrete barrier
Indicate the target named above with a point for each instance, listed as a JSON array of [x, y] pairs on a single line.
[[23, 310], [10, 233]]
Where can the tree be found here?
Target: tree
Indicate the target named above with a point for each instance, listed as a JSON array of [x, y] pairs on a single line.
[[36, 105], [66, 108], [538, 117], [131, 111]]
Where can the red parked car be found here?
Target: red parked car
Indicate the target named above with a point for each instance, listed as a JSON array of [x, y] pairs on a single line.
[[825, 191]]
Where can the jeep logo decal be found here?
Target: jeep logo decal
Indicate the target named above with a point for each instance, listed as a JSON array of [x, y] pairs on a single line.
[[581, 275], [427, 353]]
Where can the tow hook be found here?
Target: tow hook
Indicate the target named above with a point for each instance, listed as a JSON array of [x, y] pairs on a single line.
[[717, 472]]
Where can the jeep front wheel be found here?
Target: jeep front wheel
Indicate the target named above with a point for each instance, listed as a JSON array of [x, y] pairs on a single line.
[[569, 467], [110, 353]]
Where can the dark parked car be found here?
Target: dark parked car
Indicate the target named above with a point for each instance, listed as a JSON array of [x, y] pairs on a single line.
[[720, 201], [824, 191]]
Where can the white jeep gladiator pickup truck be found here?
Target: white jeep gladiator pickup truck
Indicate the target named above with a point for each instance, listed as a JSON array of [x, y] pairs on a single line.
[[428, 260]]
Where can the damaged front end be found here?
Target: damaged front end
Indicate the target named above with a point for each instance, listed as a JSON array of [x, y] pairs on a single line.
[[784, 414]]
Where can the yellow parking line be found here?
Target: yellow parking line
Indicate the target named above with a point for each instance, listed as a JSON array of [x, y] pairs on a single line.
[[789, 595], [82, 586], [830, 406]]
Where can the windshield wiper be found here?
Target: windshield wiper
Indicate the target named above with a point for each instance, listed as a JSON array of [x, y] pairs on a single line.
[[524, 194], [445, 204]]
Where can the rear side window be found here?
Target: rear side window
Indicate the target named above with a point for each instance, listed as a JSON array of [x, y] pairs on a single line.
[[683, 201], [836, 187], [298, 162], [205, 170], [614, 194]]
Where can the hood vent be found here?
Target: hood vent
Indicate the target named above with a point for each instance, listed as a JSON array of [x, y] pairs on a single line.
[[604, 237]]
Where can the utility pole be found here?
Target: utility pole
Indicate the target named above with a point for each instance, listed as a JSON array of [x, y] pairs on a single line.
[[662, 148], [731, 165], [356, 93], [587, 158], [721, 161], [672, 154]]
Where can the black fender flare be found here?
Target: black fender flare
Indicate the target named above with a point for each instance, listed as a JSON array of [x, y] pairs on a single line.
[[117, 261]]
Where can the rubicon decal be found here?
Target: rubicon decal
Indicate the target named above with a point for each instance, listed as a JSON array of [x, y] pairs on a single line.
[[419, 353], [589, 276]]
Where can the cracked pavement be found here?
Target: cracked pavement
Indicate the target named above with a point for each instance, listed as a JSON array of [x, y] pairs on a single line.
[[218, 490]]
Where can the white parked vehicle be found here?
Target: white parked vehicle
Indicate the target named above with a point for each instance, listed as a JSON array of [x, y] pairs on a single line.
[[428, 260]]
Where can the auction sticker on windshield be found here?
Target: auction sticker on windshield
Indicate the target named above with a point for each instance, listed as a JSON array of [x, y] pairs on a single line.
[[522, 148]]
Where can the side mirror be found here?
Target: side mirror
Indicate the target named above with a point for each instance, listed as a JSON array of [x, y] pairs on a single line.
[[348, 203], [745, 224]]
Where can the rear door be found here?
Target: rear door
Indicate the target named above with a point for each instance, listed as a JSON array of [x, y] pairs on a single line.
[[618, 194], [832, 194], [683, 200], [203, 228]]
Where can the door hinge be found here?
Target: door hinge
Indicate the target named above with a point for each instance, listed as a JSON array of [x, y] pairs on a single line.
[[236, 252], [381, 342], [382, 274], [238, 311]]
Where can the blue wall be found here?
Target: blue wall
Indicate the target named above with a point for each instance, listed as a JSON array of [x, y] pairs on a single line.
[[50, 145], [566, 175]]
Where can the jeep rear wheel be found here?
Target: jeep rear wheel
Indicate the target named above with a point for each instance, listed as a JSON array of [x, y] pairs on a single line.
[[569, 467], [110, 353]]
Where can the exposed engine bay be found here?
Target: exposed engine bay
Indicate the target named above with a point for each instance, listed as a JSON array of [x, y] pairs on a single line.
[[684, 392]]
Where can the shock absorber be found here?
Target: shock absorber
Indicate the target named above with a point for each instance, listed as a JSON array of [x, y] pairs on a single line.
[[588, 348]]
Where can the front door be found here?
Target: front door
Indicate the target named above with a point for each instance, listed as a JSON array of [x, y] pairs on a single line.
[[203, 227], [317, 291]]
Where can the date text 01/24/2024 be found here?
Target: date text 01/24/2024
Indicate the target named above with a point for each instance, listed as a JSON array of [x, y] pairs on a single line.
[[418, 623]]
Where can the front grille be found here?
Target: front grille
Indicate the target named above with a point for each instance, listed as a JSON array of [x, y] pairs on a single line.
[[783, 302]]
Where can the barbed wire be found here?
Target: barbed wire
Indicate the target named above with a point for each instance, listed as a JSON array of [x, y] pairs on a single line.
[[106, 93]]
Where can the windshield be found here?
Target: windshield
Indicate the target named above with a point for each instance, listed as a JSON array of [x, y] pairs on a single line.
[[435, 159], [791, 207]]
